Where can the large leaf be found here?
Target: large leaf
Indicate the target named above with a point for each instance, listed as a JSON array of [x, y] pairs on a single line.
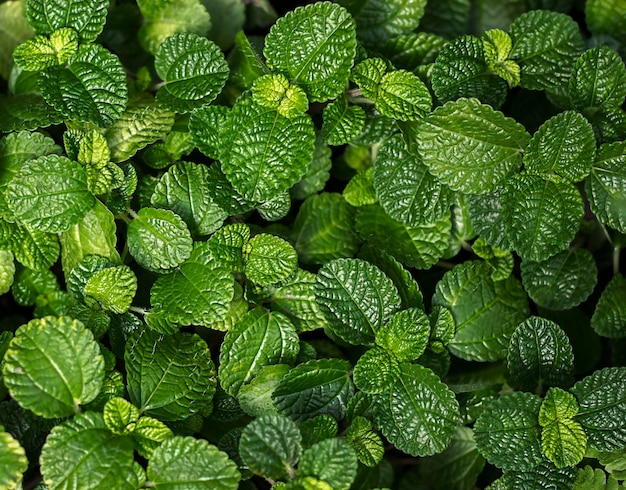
[[418, 414], [315, 47], [169, 377], [486, 312], [14, 30], [86, 17], [27, 111], [53, 365], [544, 475], [609, 317], [606, 17], [469, 146], [356, 298], [269, 259]]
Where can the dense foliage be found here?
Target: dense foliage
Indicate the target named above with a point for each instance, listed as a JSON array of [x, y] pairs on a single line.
[[354, 245]]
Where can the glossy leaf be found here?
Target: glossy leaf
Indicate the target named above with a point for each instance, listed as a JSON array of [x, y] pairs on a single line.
[[41, 52], [255, 397], [227, 243], [148, 434], [366, 443], [204, 124], [332, 461], [609, 317], [7, 271], [112, 289], [35, 249], [120, 416], [375, 371], [13, 462], [27, 112], [86, 17], [403, 96], [275, 92], [269, 259], [342, 122], [405, 335], [545, 475]]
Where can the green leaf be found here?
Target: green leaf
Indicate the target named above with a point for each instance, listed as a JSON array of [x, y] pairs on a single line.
[[112, 289], [194, 464], [419, 413], [227, 245], [539, 355], [544, 475], [605, 17], [332, 461], [375, 370], [402, 95], [261, 338], [470, 147], [368, 75], [27, 111], [414, 246], [35, 249], [366, 443], [497, 45], [270, 446], [589, 478], [42, 52], [564, 145], [231, 15], [562, 281], [360, 190], [86, 17], [275, 92], [158, 239], [269, 259], [193, 70], [356, 298], [602, 400], [606, 186], [53, 366], [164, 18], [461, 70], [255, 397], [546, 46], [262, 152], [320, 386], [343, 122], [12, 461], [29, 284], [609, 316], [542, 215], [486, 312], [507, 433], [204, 124], [14, 30], [598, 80], [82, 451], [49, 194], [443, 328], [183, 190], [404, 187], [169, 377], [405, 335], [324, 229], [318, 429], [7, 271], [149, 434], [120, 416], [91, 89], [613, 461], [314, 46], [501, 261]]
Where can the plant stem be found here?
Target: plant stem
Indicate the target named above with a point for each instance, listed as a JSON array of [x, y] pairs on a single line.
[[616, 253]]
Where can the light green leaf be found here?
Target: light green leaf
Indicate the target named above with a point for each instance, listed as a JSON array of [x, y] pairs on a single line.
[[148, 434], [261, 338], [53, 366], [29, 284], [405, 335], [39, 53], [469, 146], [562, 281], [319, 386], [360, 190], [461, 70], [419, 413], [356, 298], [34, 249], [137, 127], [7, 271], [414, 246], [14, 30], [507, 433], [332, 461], [86, 17], [270, 446], [564, 145], [158, 239], [589, 478], [606, 17], [606, 186], [269, 259], [183, 190], [375, 371], [405, 189], [539, 355], [314, 46], [486, 312], [204, 124], [193, 69], [13, 462], [602, 400], [120, 416], [262, 152], [598, 79], [275, 92], [403, 96], [324, 229], [194, 464], [557, 405], [27, 111], [227, 245], [546, 46], [342, 122], [91, 89], [112, 289], [169, 377], [544, 475], [542, 215], [501, 261], [614, 462], [366, 443], [164, 18], [368, 75], [83, 452], [609, 316], [255, 397]]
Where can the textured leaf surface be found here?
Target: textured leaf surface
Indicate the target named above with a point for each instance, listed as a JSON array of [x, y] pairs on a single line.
[[274, 91], [402, 95], [113, 289], [469, 146], [120, 416], [366, 443], [259, 339], [332, 461], [419, 413], [204, 124], [356, 298], [148, 434], [83, 453], [227, 243], [40, 52], [27, 111], [609, 317], [562, 281], [542, 215], [539, 354], [169, 377], [544, 475], [320, 386], [35, 249], [13, 462], [53, 366], [87, 17], [342, 122], [194, 464], [269, 259], [315, 46], [486, 312], [7, 271], [508, 434], [375, 370], [405, 335], [255, 398]]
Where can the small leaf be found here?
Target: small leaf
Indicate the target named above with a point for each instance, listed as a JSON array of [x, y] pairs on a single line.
[[368, 75], [360, 190], [120, 416], [366, 443], [402, 95], [318, 429], [148, 434], [227, 245], [7, 271], [375, 370], [12, 460], [332, 461], [193, 464], [112, 289], [39, 53], [53, 366], [609, 317], [86, 17], [255, 397], [342, 122], [405, 335], [269, 259], [275, 92], [204, 124]]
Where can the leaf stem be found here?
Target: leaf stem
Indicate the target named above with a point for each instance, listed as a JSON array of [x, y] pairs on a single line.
[[616, 253], [138, 309]]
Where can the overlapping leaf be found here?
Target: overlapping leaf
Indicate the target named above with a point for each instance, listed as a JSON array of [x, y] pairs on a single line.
[[269, 259], [86, 17], [331, 461], [375, 371], [13, 462], [609, 317]]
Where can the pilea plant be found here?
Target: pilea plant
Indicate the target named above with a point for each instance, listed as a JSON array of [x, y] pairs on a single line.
[[341, 245]]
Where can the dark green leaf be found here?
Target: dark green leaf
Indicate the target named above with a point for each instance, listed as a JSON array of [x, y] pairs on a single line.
[[405, 335], [375, 370], [86, 17], [545, 475], [332, 461], [609, 317]]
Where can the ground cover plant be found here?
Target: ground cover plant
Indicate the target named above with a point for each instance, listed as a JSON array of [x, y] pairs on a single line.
[[358, 244]]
